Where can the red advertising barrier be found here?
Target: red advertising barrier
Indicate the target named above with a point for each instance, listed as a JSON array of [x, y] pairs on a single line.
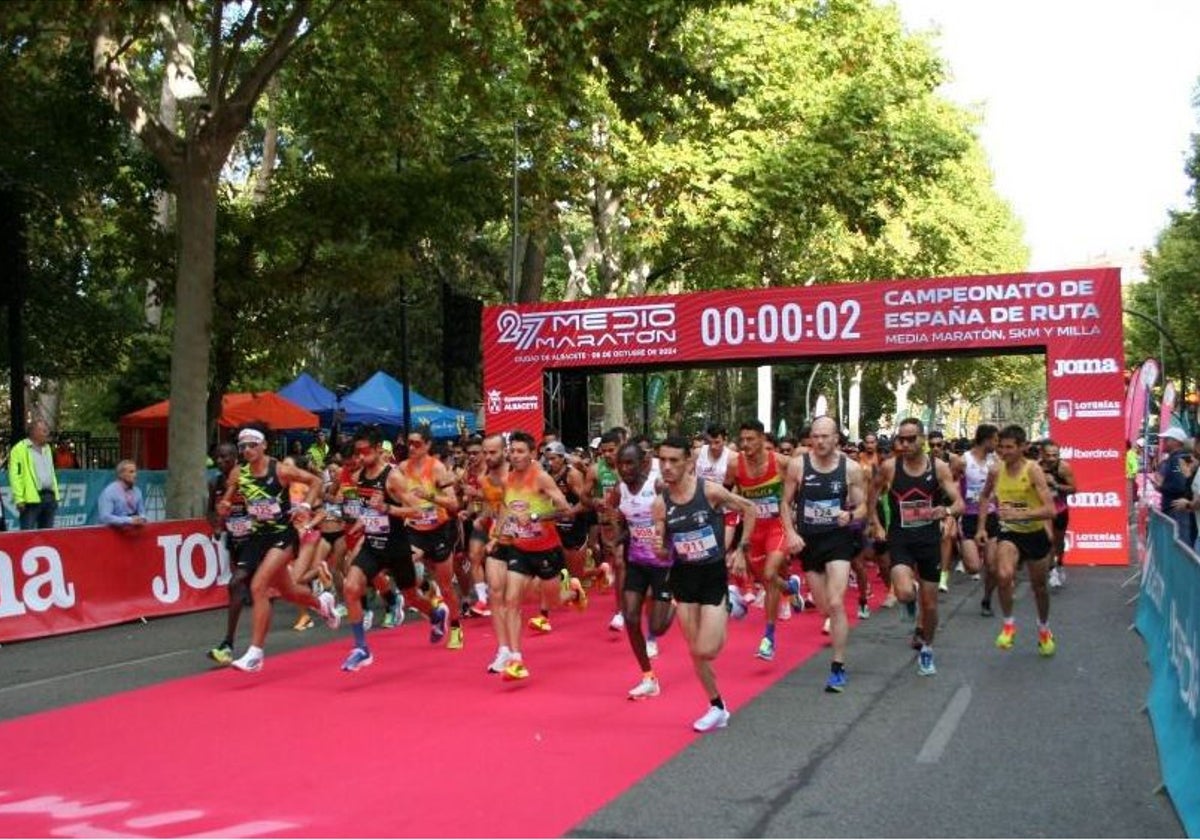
[[1073, 317], [61, 581]]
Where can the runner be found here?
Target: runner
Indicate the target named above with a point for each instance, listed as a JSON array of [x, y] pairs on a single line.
[[572, 527], [489, 495], [647, 567], [532, 546], [1025, 505], [382, 505], [977, 463], [950, 531], [911, 481], [691, 522], [431, 532], [263, 483], [473, 508], [601, 478], [1060, 478], [234, 528], [757, 475], [712, 464], [825, 489]]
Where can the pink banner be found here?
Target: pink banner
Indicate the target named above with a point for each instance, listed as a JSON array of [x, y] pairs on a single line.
[[61, 581], [1072, 317], [1135, 405], [1166, 409]]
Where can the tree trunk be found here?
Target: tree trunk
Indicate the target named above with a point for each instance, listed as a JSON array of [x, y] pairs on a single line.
[[614, 400], [186, 428]]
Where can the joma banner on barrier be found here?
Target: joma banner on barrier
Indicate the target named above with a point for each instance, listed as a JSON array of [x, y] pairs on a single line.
[[80, 491], [1168, 619], [1072, 317], [60, 581]]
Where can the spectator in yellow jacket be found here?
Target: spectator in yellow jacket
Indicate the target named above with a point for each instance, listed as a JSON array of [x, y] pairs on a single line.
[[32, 478]]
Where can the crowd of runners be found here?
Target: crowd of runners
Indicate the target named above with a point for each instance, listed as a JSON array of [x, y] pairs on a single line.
[[509, 529]]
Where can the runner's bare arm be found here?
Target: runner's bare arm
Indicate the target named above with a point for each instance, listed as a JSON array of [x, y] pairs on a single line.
[[793, 481]]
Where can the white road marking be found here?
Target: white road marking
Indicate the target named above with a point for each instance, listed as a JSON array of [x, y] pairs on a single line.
[[943, 730], [97, 670]]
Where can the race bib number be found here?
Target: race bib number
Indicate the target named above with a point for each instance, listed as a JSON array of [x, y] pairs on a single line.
[[427, 516], [264, 510], [695, 546], [375, 523], [1018, 508], [822, 511], [239, 526], [333, 511], [916, 513], [766, 508], [352, 509]]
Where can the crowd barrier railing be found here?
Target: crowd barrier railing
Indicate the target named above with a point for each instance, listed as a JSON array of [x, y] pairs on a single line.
[[64, 580], [1168, 619]]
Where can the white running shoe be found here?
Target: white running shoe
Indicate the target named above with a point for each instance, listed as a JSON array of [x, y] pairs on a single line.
[[617, 624], [248, 662], [497, 666], [889, 601], [1055, 578], [652, 649], [328, 606], [827, 626], [648, 687], [785, 611], [714, 718], [368, 620]]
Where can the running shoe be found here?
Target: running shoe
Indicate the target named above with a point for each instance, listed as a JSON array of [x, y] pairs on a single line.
[[250, 663], [827, 626], [456, 639], [328, 605], [606, 577], [985, 608], [925, 666], [1055, 580], [864, 612], [766, 649], [540, 623], [358, 658], [516, 670], [222, 654], [736, 604], [617, 624], [1046, 644], [918, 641], [564, 585], [793, 586], [341, 610], [714, 718], [303, 622], [889, 601], [944, 582], [438, 621], [785, 611], [481, 609], [497, 666], [368, 620], [1005, 640], [836, 683], [651, 649], [578, 598], [648, 687], [394, 617]]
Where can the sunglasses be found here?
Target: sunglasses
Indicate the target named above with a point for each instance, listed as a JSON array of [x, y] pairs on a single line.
[[416, 441], [363, 450], [906, 438], [242, 446]]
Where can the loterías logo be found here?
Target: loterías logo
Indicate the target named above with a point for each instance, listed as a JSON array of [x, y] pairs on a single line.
[[1084, 367]]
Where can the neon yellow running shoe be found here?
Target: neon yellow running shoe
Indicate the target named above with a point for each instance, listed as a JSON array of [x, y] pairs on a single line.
[[1005, 640], [1046, 645]]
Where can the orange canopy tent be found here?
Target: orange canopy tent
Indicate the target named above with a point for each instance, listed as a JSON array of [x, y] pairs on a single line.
[[143, 433]]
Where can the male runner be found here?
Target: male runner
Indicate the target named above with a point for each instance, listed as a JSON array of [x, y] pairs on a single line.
[[712, 464], [234, 528], [691, 523], [939, 450], [977, 463], [757, 475], [263, 482], [1025, 505], [912, 480], [601, 478], [1060, 478], [825, 489]]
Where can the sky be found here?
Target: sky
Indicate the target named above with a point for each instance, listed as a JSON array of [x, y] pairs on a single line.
[[1087, 110]]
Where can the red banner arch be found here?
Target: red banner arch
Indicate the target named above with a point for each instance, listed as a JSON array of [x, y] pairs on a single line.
[[1073, 317]]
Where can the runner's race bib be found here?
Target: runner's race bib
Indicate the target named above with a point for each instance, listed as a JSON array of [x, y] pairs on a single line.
[[695, 546], [239, 526], [264, 510], [822, 511], [916, 513], [376, 524], [766, 508]]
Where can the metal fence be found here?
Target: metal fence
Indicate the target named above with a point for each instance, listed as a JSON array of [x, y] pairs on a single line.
[[91, 452]]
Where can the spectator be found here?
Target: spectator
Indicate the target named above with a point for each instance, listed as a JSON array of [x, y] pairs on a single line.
[[121, 502], [319, 451], [64, 456], [32, 478], [1175, 478]]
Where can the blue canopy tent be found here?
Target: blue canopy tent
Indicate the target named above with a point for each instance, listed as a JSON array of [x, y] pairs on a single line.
[[307, 392], [384, 396]]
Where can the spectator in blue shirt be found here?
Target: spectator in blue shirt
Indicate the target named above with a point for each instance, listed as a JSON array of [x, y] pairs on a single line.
[[1175, 478], [121, 502]]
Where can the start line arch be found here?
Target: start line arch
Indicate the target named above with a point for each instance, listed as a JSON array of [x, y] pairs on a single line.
[[1073, 317]]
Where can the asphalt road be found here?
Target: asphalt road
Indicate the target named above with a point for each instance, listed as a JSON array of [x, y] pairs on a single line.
[[997, 744]]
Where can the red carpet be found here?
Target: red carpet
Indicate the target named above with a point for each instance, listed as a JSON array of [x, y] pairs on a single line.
[[422, 743]]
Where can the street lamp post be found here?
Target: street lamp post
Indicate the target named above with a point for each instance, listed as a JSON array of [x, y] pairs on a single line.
[[1162, 331]]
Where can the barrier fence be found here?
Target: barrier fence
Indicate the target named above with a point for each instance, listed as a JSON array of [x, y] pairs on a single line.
[[64, 580], [1168, 619], [80, 491]]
